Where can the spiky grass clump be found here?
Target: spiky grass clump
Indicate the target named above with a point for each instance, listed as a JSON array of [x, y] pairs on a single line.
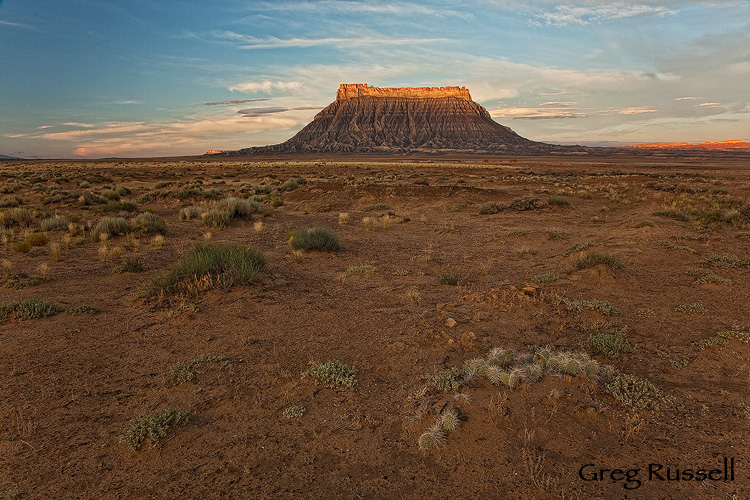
[[449, 420], [316, 238], [153, 426], [546, 278], [333, 374], [610, 343], [213, 265], [432, 438], [594, 258], [111, 226]]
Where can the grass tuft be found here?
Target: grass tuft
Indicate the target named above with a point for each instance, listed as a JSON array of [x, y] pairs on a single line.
[[209, 266], [316, 238], [594, 258]]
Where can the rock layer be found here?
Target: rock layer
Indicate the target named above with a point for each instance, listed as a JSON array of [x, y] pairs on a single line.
[[371, 119]]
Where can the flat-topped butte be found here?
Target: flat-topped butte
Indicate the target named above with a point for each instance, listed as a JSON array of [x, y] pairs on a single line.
[[350, 90]]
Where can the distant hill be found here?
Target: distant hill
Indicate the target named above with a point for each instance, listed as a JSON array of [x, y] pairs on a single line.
[[733, 145], [4, 157]]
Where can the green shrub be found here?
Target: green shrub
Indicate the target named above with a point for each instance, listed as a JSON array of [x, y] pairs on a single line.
[[118, 206], [224, 265], [185, 370], [83, 310], [450, 278], [594, 258], [558, 202], [295, 411], [333, 374], [490, 208], [153, 426], [722, 338], [316, 238], [130, 264], [22, 246], [376, 207], [111, 226], [546, 278], [695, 308], [610, 344], [527, 203], [30, 309], [635, 392], [37, 239]]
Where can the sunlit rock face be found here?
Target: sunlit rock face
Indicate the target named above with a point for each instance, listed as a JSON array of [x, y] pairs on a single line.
[[371, 119]]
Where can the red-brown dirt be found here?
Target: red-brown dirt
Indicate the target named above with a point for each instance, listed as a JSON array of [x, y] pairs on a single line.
[[72, 382]]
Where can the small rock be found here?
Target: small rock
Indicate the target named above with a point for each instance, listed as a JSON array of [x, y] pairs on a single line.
[[450, 322]]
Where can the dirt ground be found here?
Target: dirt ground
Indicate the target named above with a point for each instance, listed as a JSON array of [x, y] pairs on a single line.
[[676, 231]]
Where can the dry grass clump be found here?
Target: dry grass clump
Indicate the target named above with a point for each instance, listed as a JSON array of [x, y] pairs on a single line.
[[576, 306], [343, 218], [546, 278], [19, 216], [37, 239], [333, 374], [190, 213], [208, 266], [224, 211], [294, 411], [153, 426]]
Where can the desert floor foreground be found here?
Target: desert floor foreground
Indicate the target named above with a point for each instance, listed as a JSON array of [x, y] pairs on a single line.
[[672, 236]]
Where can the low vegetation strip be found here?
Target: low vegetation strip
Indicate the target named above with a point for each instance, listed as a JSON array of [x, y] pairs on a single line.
[[153, 426]]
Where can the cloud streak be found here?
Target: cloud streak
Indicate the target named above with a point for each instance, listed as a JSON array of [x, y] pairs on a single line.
[[250, 42]]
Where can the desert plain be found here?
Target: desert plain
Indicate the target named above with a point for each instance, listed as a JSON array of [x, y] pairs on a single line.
[[488, 327]]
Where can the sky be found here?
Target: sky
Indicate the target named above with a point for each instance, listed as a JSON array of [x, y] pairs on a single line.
[[135, 78]]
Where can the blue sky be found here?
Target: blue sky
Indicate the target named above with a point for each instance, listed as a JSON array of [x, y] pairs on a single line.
[[97, 78]]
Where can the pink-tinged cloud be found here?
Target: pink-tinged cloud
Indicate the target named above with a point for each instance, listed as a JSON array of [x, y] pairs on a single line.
[[708, 104], [636, 110]]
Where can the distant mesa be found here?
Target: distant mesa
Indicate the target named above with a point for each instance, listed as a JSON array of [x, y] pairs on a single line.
[[367, 119], [733, 145], [213, 152]]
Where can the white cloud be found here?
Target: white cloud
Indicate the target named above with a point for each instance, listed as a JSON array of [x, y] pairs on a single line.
[[339, 7], [265, 86], [249, 42], [565, 15], [708, 104], [685, 98]]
